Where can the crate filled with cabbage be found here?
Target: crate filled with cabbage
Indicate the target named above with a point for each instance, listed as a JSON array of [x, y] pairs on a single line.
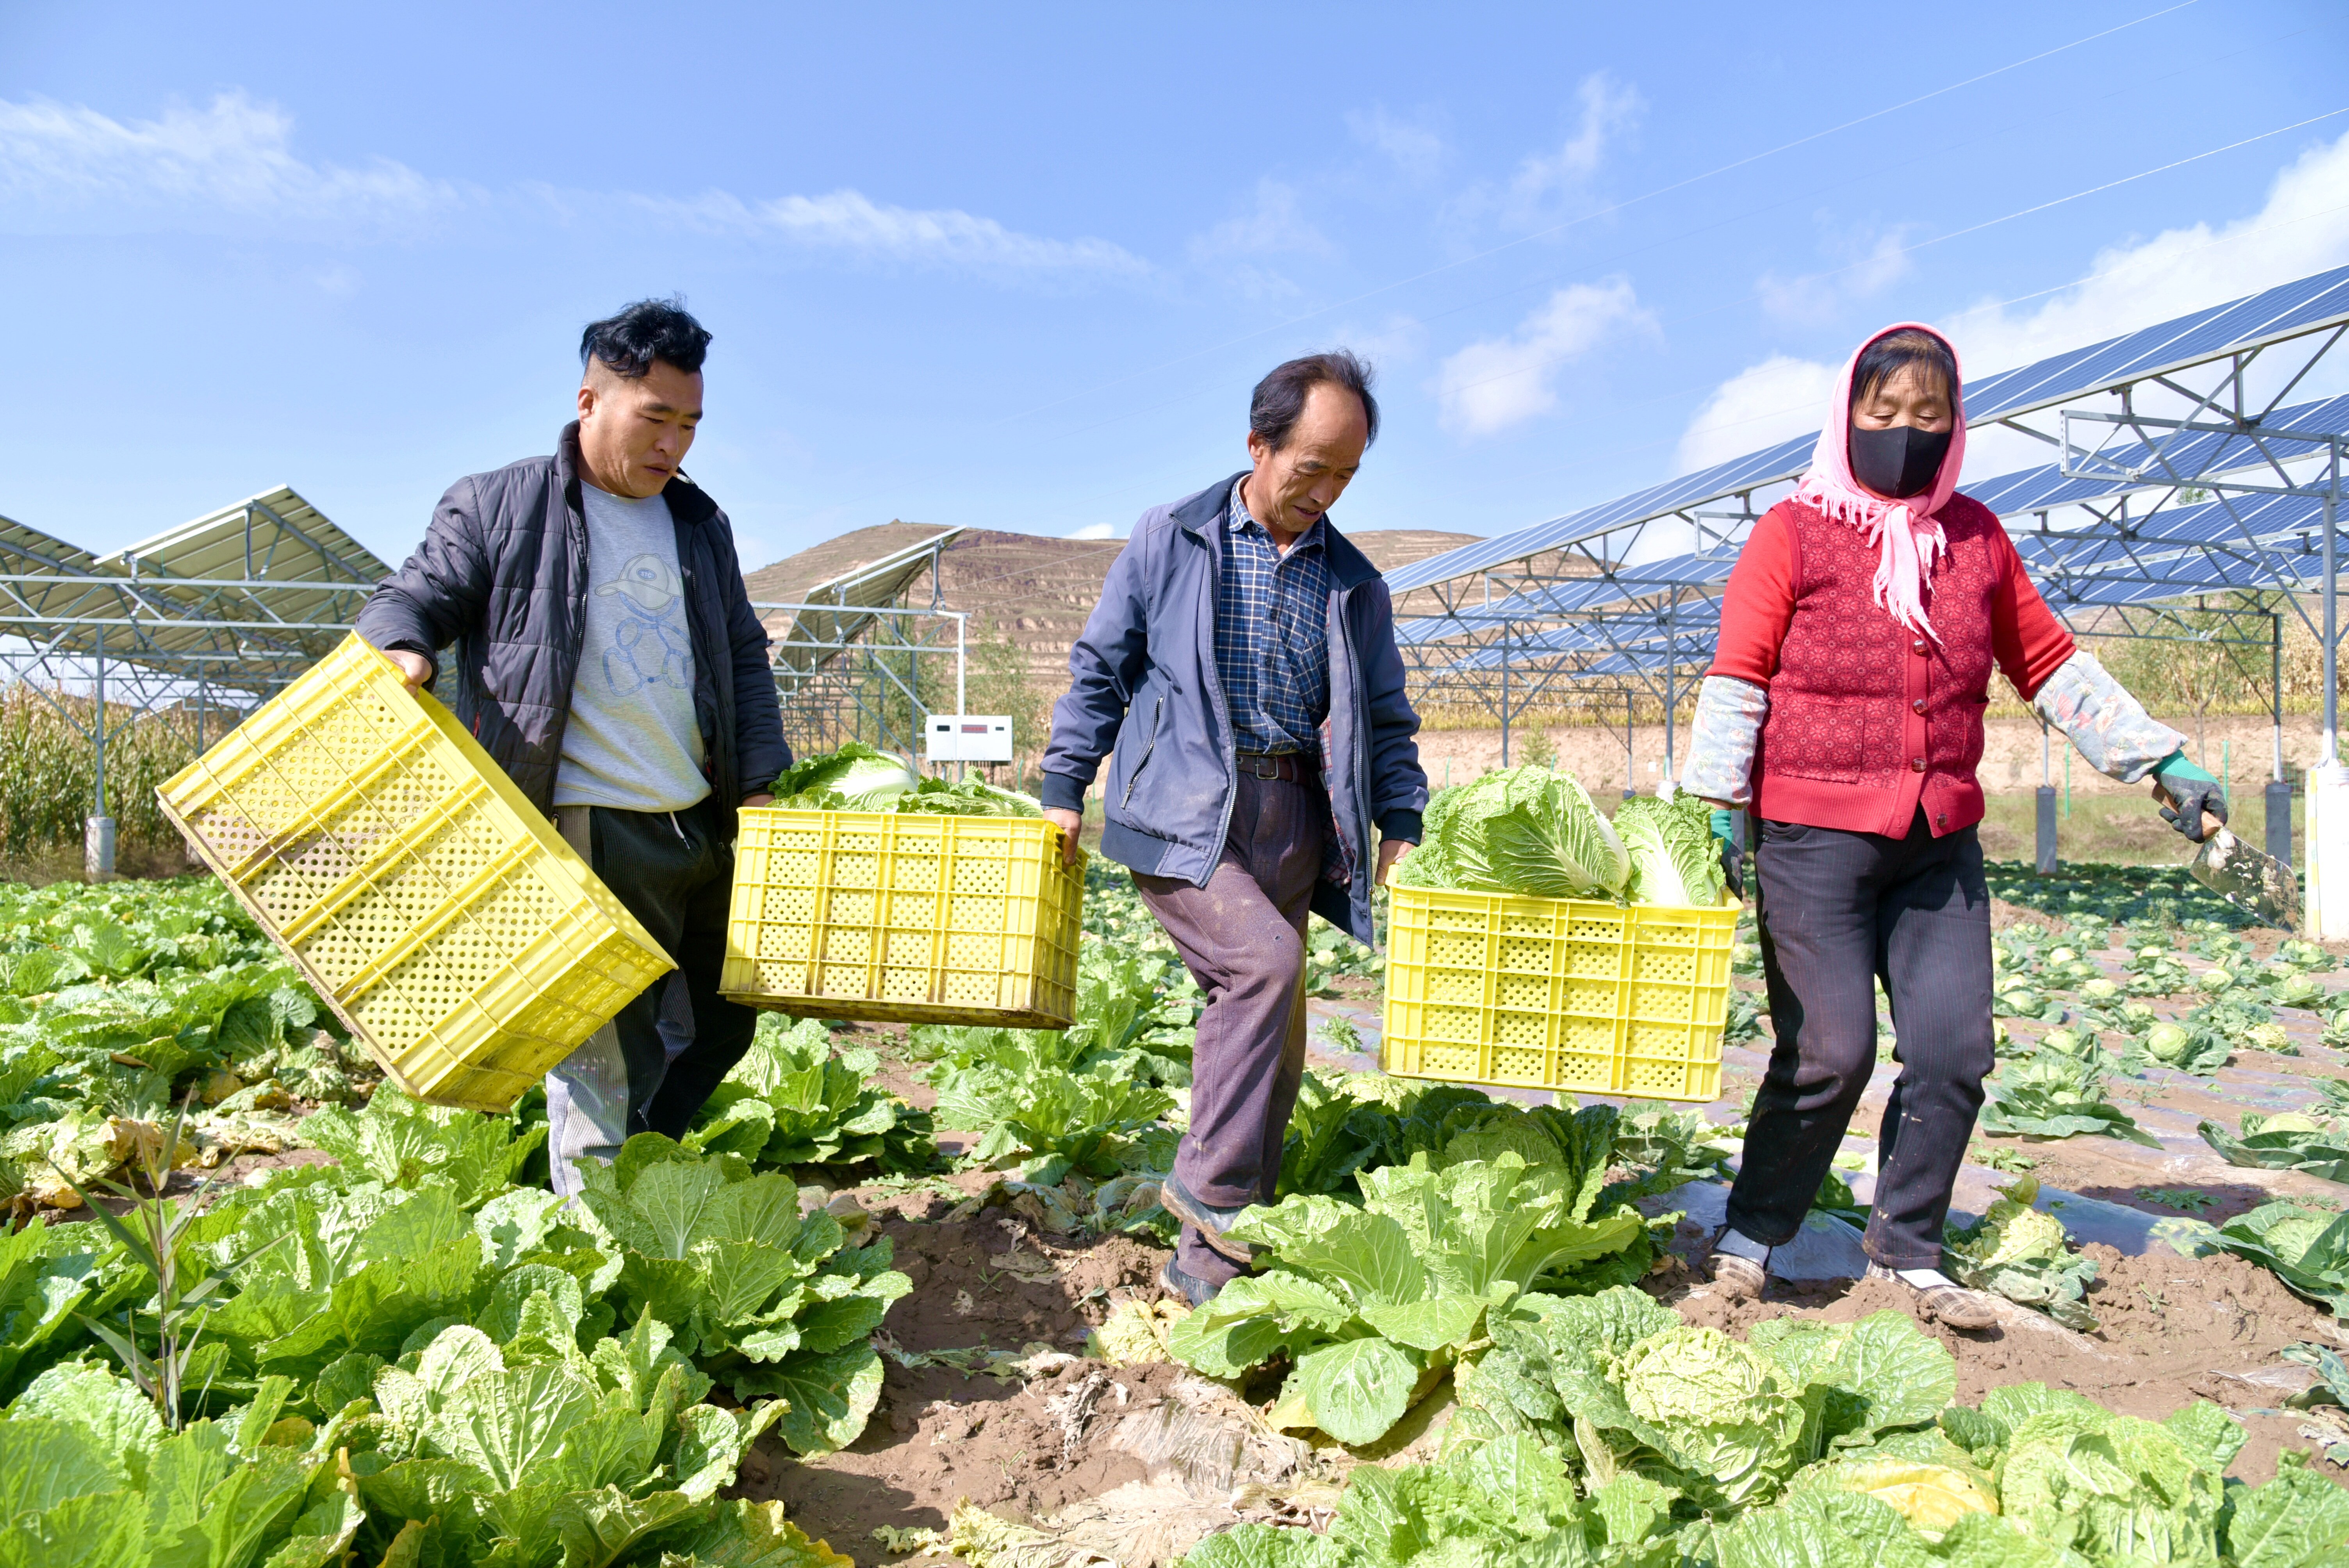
[[867, 891], [1534, 943]]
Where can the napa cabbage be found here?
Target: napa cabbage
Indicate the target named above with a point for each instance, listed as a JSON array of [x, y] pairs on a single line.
[[1675, 860], [1525, 831], [855, 778]]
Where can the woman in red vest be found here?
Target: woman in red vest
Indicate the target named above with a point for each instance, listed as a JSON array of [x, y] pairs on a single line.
[[1844, 708]]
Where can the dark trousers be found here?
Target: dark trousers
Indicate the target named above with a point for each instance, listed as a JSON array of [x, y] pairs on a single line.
[[1243, 938], [672, 1044], [1838, 912]]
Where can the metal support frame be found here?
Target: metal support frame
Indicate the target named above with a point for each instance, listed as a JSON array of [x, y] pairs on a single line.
[[2171, 485]]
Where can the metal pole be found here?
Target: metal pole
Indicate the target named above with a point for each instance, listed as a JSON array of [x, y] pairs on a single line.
[[1671, 691], [2045, 802], [962, 689], [1631, 750], [1504, 694], [2332, 625], [1671, 697], [2278, 792], [97, 833], [2324, 901]]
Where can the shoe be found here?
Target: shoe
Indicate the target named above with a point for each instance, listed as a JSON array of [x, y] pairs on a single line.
[[1948, 1304], [1175, 1280], [1739, 1279], [1210, 1223]]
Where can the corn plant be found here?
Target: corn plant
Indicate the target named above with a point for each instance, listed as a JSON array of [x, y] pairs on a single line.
[[152, 1231]]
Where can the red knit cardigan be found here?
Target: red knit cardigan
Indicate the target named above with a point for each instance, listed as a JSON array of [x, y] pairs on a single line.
[[1869, 722]]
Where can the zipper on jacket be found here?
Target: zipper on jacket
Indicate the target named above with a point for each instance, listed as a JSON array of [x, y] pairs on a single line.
[[1157, 710]]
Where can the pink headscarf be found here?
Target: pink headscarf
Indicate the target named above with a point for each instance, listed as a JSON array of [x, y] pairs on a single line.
[[1907, 533]]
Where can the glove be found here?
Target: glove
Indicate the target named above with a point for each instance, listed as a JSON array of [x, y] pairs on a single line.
[[1733, 853], [2190, 792]]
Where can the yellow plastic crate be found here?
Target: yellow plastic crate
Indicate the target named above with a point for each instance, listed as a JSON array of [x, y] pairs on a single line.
[[906, 919], [433, 907], [1557, 994]]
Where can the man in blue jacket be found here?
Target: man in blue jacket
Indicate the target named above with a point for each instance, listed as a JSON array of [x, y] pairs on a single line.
[[608, 659], [1242, 663]]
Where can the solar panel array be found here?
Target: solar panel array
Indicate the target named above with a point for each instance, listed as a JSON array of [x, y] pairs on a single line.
[[2288, 310], [2238, 541]]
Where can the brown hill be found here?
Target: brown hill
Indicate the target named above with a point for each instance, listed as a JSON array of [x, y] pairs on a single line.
[[1034, 591]]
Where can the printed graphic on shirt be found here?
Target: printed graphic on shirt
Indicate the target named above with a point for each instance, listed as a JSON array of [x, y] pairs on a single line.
[[649, 644]]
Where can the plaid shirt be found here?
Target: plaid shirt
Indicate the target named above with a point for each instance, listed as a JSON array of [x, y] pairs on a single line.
[[1272, 635]]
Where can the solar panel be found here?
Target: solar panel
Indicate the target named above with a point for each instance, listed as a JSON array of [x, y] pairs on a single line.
[[2288, 310], [1768, 466]]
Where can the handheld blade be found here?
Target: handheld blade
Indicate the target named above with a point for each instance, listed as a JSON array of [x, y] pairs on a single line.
[[2248, 879]]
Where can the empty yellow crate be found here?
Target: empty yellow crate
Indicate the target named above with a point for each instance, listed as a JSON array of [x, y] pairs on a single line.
[[909, 919], [432, 906], [1557, 994]]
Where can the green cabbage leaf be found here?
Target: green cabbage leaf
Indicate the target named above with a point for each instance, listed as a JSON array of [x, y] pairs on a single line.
[[1525, 831], [1675, 860]]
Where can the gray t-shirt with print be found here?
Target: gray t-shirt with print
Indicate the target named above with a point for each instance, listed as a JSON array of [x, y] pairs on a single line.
[[632, 740]]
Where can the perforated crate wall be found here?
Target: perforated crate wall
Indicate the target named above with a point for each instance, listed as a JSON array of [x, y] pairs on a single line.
[[1557, 994], [432, 906], [903, 919]]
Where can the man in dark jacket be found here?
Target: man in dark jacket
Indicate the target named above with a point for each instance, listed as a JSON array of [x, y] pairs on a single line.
[[1242, 661], [608, 659]]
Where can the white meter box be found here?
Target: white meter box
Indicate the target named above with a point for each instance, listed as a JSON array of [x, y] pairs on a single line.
[[967, 737]]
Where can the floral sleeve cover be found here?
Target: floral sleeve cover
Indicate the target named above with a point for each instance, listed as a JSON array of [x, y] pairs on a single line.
[[2111, 728], [1729, 715]]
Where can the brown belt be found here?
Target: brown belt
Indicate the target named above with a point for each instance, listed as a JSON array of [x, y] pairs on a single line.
[[1288, 766]]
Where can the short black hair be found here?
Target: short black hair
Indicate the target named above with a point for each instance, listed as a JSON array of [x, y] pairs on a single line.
[[1280, 398], [647, 330], [1888, 356]]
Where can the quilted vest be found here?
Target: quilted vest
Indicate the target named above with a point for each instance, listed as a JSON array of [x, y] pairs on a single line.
[[1869, 721]]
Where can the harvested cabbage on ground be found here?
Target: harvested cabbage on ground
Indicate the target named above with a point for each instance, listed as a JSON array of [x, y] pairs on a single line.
[[2026, 1256]]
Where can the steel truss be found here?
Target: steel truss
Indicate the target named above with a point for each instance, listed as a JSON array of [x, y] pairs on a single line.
[[211, 619], [2185, 473]]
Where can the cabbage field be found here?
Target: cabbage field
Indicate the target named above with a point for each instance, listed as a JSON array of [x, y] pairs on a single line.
[[892, 1298]]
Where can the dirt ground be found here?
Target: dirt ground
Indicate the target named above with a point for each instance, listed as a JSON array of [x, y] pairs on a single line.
[[1003, 1441]]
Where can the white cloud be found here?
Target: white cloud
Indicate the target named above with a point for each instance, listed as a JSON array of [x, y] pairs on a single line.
[[1093, 530], [1272, 225], [70, 168], [1768, 402], [1415, 149], [1608, 109], [2301, 228], [65, 168], [1544, 186], [1503, 381], [852, 221], [1397, 340], [1868, 267]]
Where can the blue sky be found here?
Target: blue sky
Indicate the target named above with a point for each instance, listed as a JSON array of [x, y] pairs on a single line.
[[1017, 267]]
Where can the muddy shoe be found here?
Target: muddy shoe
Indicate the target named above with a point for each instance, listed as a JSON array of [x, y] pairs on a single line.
[[1738, 1277], [1210, 1223], [1175, 1280], [1942, 1301]]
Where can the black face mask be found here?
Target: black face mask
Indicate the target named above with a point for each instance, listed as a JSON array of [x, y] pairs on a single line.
[[1900, 461]]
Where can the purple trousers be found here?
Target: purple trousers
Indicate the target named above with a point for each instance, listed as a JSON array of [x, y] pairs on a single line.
[[1243, 938]]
